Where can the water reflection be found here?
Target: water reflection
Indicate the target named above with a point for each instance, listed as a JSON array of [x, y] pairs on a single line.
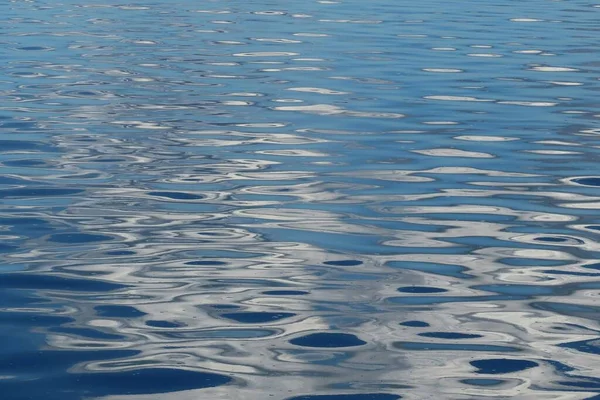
[[326, 201]]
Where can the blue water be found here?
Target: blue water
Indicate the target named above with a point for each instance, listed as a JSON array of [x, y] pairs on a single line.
[[319, 200]]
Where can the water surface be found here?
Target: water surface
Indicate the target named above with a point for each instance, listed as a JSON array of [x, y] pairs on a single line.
[[321, 200]]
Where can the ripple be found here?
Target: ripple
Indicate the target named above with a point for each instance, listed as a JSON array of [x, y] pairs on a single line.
[[443, 70], [317, 90], [453, 153], [485, 138], [456, 98], [304, 200], [526, 20], [266, 54], [327, 109], [230, 334], [552, 69]]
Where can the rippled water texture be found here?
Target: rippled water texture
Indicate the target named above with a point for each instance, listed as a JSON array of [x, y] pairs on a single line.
[[310, 200]]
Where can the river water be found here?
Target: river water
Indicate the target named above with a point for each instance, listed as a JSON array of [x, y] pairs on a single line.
[[320, 200]]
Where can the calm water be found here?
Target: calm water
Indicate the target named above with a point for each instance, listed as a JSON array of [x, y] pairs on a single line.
[[320, 200]]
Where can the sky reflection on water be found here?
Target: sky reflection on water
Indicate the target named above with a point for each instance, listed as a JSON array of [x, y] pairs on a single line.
[[326, 200]]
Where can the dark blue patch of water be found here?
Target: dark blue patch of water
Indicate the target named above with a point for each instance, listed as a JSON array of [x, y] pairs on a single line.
[[585, 346], [37, 192], [590, 181], [162, 324], [455, 271], [206, 262], [25, 163], [328, 340], [120, 253], [54, 282], [175, 195], [421, 289], [449, 335], [285, 293], [344, 263], [454, 347], [482, 382], [257, 317], [14, 145], [366, 396], [502, 365], [76, 238], [114, 311], [87, 333], [75, 386], [415, 324], [227, 333]]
